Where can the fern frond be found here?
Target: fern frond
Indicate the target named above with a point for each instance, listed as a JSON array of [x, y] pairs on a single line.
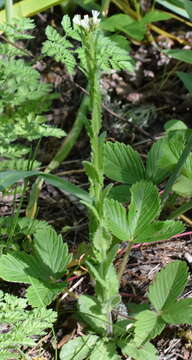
[[17, 29], [21, 324], [58, 47]]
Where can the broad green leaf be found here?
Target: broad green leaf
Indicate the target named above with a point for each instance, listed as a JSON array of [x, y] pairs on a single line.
[[160, 230], [126, 24], [144, 207], [120, 193], [116, 216], [168, 285], [183, 186], [177, 6], [187, 80], [146, 351], [155, 15], [116, 22], [179, 312], [52, 251], [21, 267], [122, 163], [91, 312], [12, 268], [78, 348], [181, 55], [172, 125], [29, 8], [104, 350], [154, 171], [147, 326], [43, 293]]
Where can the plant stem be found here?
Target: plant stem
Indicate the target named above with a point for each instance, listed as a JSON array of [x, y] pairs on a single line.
[[61, 155], [177, 169], [124, 262], [9, 11], [105, 7], [181, 210]]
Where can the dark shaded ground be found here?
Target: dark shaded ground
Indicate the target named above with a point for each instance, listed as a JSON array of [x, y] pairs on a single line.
[[138, 106]]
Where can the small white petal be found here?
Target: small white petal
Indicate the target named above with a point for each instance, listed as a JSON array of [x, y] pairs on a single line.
[[85, 22], [95, 15], [77, 20]]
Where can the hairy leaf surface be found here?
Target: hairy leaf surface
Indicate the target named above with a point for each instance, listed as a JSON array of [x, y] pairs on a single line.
[[122, 163], [168, 285]]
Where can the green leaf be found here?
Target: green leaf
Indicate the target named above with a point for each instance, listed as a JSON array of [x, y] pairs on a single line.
[[43, 293], [116, 22], [91, 171], [91, 312], [104, 350], [179, 312], [144, 207], [120, 193], [116, 216], [187, 80], [183, 186], [154, 171], [8, 178], [188, 7], [160, 230], [101, 242], [172, 125], [66, 186], [176, 6], [78, 348], [12, 268], [52, 251], [122, 163], [147, 326], [168, 285], [144, 352], [181, 55], [155, 15]]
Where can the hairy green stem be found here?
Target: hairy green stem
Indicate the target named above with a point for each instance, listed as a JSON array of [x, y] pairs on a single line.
[[61, 155], [8, 11], [124, 262], [177, 169]]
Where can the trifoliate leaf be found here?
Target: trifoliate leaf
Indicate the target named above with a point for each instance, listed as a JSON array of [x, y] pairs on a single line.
[[122, 163], [147, 326], [116, 216], [144, 207], [179, 312], [144, 352], [160, 230], [78, 348], [168, 285]]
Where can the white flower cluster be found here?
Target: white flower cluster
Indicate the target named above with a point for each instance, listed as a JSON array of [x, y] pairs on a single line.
[[86, 22]]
